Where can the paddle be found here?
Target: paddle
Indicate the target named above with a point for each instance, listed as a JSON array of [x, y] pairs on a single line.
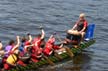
[[55, 53], [67, 48], [49, 61]]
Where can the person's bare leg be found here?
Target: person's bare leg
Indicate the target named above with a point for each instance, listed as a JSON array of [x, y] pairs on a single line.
[[74, 32], [82, 36]]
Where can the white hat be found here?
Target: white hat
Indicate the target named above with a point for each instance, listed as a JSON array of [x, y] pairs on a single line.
[[82, 15]]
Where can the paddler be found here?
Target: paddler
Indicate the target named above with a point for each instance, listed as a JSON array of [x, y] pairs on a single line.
[[8, 49], [50, 47], [79, 28], [36, 49], [13, 60], [25, 48], [25, 44]]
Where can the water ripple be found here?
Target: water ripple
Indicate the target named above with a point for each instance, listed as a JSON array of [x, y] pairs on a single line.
[[17, 17]]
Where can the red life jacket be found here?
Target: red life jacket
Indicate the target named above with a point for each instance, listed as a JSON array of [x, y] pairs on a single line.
[[26, 44], [48, 49], [49, 46], [38, 42]]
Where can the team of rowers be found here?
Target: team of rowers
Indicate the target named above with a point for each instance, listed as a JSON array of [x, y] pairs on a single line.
[[35, 48]]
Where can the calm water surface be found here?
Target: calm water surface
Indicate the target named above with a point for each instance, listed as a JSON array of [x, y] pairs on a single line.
[[17, 17]]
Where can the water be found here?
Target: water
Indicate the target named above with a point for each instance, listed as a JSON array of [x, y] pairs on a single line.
[[17, 17]]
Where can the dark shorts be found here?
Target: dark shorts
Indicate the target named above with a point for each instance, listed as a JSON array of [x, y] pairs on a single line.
[[73, 37]]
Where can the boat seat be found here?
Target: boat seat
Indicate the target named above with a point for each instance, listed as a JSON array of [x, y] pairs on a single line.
[[90, 32]]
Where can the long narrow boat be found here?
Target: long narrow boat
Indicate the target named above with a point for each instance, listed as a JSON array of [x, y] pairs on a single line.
[[73, 50], [65, 55]]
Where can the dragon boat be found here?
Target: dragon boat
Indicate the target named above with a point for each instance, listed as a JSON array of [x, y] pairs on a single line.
[[89, 40]]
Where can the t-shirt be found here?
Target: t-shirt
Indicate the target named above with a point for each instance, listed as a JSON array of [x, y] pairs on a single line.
[[7, 50]]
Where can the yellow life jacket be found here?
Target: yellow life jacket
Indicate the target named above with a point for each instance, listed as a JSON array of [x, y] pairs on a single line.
[[12, 59]]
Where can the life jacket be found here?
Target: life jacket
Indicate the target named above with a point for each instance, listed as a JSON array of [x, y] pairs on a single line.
[[49, 46], [12, 59], [82, 24], [26, 44], [48, 49], [23, 51], [56, 47], [35, 48], [37, 41]]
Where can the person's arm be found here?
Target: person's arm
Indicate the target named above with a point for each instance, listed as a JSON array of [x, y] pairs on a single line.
[[28, 46], [83, 29], [50, 52], [39, 56], [42, 37], [43, 34], [30, 38], [61, 46], [51, 36], [17, 45], [75, 25], [2, 52], [1, 45]]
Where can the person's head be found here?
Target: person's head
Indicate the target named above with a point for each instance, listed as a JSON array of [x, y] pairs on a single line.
[[82, 16], [11, 42], [39, 35], [23, 39]]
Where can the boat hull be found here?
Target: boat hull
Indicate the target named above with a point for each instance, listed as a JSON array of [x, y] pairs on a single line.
[[34, 66]]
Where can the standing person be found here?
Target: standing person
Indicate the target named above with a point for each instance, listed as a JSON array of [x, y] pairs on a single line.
[[80, 27], [36, 49]]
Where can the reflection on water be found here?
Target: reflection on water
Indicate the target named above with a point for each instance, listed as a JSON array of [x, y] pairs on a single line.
[[79, 62]]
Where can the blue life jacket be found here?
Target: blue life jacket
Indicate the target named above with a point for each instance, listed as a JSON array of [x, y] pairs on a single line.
[[21, 48]]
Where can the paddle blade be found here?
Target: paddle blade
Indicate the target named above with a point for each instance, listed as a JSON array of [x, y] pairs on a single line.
[[58, 56], [69, 51], [49, 61]]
